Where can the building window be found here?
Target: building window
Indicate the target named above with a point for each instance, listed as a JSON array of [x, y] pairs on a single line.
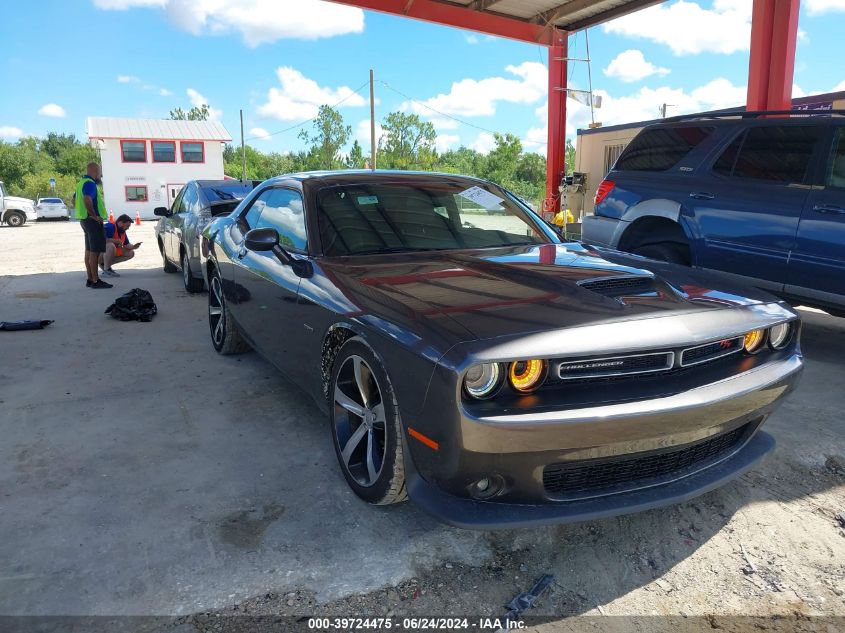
[[134, 151], [611, 153], [193, 152], [136, 194], [164, 151]]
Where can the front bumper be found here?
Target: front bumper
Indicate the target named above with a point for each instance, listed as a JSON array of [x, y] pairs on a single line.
[[517, 447], [487, 515]]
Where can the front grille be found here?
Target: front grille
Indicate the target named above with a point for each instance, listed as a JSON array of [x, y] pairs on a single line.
[[603, 476], [710, 351], [619, 286], [615, 366]]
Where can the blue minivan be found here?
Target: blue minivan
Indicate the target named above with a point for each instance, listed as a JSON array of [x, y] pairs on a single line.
[[761, 199]]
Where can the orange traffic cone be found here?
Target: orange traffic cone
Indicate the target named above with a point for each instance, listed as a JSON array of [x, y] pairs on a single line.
[[138, 218], [111, 216]]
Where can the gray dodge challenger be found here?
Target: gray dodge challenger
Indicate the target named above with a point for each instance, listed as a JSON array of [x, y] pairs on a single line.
[[471, 360]]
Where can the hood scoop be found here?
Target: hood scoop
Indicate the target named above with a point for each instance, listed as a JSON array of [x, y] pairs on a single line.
[[619, 286]]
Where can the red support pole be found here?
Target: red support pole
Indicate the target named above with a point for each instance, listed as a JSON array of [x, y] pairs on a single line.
[[556, 147], [771, 64]]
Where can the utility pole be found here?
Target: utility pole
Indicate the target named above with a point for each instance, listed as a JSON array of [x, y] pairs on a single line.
[[663, 109], [372, 123], [243, 150], [590, 76]]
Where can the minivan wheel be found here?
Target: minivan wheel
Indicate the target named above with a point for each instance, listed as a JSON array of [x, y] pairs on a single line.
[[15, 218], [366, 429], [225, 336], [192, 284], [665, 251]]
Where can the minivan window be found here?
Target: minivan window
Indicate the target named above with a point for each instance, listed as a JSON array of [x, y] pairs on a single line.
[[661, 148], [836, 168], [779, 153]]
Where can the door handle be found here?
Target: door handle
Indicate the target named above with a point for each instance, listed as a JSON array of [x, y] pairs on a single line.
[[828, 208], [702, 195]]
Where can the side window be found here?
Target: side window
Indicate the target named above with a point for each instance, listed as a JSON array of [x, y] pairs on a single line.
[[282, 210], [836, 167], [178, 204], [773, 153], [661, 148], [190, 199]]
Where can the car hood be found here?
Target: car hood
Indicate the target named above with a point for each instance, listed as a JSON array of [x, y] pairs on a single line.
[[479, 294], [19, 200]]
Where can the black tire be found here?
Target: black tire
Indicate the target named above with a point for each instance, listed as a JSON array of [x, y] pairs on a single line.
[[165, 263], [192, 284], [666, 252], [15, 218], [366, 428], [225, 336]]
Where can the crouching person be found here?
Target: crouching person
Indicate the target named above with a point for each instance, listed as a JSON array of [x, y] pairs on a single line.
[[118, 247]]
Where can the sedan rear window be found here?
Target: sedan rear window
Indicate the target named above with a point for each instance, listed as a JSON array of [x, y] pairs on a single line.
[[419, 216], [661, 148], [52, 200]]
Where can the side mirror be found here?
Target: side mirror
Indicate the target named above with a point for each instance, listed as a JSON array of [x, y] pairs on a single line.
[[162, 211], [262, 239]]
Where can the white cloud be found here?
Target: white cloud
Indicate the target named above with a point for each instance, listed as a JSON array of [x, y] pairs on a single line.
[[797, 92], [536, 140], [631, 65], [164, 92], [362, 133], [128, 79], [471, 38], [444, 142], [838, 87], [300, 98], [471, 97], [198, 100], [258, 21], [52, 110], [688, 29], [260, 133], [10, 132], [817, 7], [484, 143]]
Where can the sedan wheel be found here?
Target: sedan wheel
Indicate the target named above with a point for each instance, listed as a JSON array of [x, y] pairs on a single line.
[[225, 336], [365, 425], [192, 284]]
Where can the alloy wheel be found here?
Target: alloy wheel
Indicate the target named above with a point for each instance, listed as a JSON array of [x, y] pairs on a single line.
[[360, 425], [186, 270], [216, 316]]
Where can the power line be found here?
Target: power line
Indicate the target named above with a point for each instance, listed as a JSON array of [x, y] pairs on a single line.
[[428, 107], [293, 127]]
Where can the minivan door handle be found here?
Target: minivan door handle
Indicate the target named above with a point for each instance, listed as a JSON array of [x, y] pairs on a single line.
[[702, 195], [828, 208]]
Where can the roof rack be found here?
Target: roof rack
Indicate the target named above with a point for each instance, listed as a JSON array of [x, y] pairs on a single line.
[[752, 114]]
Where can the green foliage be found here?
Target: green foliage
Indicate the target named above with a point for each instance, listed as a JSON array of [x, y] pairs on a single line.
[[407, 142], [200, 113], [570, 157], [27, 166], [327, 138], [355, 159]]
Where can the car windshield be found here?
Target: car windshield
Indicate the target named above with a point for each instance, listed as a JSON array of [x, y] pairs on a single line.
[[235, 191], [419, 216]]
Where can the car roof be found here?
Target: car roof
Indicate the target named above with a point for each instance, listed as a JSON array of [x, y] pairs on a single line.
[[353, 176]]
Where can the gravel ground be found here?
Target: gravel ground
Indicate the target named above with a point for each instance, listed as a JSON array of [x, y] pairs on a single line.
[[769, 546]]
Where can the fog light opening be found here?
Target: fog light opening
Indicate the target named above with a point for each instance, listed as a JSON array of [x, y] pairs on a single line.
[[486, 487]]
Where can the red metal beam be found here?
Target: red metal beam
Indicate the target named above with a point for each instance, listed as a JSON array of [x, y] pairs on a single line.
[[556, 147], [459, 17], [771, 64]]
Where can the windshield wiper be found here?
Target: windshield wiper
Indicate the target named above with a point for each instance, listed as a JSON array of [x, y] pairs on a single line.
[[396, 249]]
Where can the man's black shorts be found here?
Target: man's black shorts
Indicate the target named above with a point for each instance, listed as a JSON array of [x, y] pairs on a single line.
[[95, 235]]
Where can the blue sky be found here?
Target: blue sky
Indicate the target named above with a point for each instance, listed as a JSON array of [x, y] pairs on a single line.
[[279, 59]]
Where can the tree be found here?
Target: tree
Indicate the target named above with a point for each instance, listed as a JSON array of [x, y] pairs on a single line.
[[197, 113], [502, 160], [328, 137], [407, 142], [355, 159], [569, 157]]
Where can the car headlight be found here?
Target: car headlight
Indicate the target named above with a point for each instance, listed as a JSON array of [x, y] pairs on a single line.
[[482, 381], [526, 375], [754, 340], [779, 335]]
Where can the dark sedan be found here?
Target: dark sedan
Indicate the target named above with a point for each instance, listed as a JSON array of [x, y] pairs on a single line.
[[470, 360]]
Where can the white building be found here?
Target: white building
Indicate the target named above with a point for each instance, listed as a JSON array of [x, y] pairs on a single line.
[[147, 161]]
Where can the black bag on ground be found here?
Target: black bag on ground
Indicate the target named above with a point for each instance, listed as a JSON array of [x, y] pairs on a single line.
[[135, 305]]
